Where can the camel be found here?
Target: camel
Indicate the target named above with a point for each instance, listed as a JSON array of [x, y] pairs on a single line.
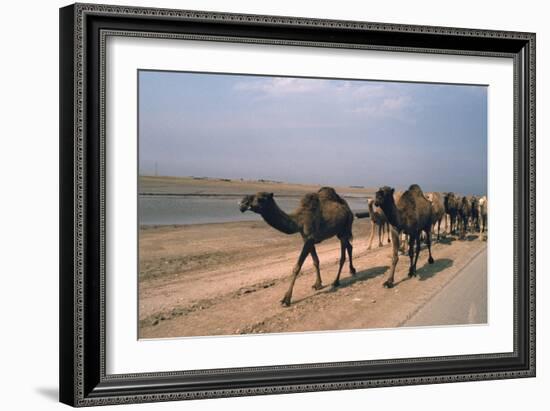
[[412, 214], [464, 213], [438, 211], [378, 220], [475, 212], [450, 202], [320, 216], [483, 216]]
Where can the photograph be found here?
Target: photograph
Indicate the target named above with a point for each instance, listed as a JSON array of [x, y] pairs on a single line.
[[272, 201], [284, 204]]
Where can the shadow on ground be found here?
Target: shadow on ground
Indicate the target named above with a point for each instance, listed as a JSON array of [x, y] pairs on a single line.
[[361, 276], [348, 281], [445, 240], [429, 270]]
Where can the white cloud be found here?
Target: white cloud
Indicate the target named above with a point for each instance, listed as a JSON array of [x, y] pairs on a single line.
[[396, 103], [279, 86], [365, 98], [386, 107]]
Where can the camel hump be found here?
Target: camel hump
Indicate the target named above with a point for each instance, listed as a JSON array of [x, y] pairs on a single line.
[[310, 201], [328, 193], [415, 188]]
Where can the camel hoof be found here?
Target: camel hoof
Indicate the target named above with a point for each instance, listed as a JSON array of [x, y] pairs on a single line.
[[412, 274], [380, 245], [352, 271], [317, 286], [388, 284], [336, 283], [369, 247], [430, 260], [285, 302]]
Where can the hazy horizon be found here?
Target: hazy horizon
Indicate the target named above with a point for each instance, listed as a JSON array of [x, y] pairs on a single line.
[[313, 131]]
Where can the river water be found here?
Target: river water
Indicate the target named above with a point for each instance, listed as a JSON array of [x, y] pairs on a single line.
[[168, 210]]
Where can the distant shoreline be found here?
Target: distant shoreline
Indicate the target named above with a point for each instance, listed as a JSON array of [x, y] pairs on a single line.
[[236, 195], [217, 187]]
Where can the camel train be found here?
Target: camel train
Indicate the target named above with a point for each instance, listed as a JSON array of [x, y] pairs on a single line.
[[409, 217]]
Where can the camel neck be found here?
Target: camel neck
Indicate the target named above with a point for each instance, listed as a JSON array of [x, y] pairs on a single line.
[[392, 214], [280, 220]]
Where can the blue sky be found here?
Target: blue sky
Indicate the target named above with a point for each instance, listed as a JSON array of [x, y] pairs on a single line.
[[330, 132]]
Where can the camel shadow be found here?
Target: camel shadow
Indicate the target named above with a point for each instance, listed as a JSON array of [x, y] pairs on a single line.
[[470, 237], [429, 270], [445, 240], [360, 276], [347, 281]]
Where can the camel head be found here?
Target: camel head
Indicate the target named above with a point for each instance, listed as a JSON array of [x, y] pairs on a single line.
[[383, 196], [257, 202]]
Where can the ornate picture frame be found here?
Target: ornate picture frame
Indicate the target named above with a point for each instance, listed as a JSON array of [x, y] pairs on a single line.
[[84, 29]]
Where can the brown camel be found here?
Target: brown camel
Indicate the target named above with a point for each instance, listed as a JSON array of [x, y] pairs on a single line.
[[438, 211], [320, 216], [412, 214], [464, 214], [451, 207], [483, 204], [474, 201]]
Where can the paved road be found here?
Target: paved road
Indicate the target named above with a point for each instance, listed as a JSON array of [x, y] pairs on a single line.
[[462, 301]]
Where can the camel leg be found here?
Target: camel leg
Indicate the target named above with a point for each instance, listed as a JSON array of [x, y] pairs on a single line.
[[395, 257], [306, 249], [349, 247], [380, 230], [452, 224], [417, 252], [412, 266], [438, 229], [342, 261], [388, 231], [373, 227], [318, 283], [429, 243]]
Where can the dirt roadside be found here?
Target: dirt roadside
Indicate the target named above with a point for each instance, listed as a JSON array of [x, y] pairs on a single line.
[[222, 279]]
